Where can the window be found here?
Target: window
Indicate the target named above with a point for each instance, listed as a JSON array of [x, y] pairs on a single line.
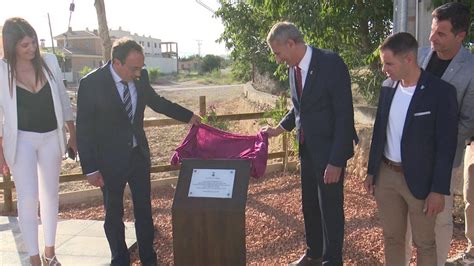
[[148, 44], [155, 44]]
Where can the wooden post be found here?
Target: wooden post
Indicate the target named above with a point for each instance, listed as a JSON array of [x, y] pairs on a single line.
[[284, 140], [7, 194], [202, 106]]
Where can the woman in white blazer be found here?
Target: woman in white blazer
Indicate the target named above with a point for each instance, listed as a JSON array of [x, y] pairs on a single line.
[[34, 112]]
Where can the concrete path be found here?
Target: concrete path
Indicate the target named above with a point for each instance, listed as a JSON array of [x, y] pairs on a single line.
[[78, 242]]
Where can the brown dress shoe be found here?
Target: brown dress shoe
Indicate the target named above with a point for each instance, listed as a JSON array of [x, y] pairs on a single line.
[[307, 261]]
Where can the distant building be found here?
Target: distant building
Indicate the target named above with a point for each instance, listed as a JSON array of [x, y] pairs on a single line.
[[84, 48]]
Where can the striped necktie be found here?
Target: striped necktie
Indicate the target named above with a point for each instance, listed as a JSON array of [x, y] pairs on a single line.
[[127, 100]]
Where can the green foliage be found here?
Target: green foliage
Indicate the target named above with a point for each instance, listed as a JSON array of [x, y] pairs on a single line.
[[210, 63], [352, 28], [154, 74], [245, 30], [369, 79], [211, 119], [85, 70], [275, 115]]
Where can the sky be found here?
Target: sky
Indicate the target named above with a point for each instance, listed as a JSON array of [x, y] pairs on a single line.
[[182, 21]]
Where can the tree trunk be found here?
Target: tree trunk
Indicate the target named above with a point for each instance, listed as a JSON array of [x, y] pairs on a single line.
[[103, 29]]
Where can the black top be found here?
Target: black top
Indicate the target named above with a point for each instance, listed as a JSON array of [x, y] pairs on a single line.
[[437, 66], [36, 110]]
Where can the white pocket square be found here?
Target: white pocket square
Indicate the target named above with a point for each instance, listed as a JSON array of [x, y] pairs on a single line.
[[422, 113]]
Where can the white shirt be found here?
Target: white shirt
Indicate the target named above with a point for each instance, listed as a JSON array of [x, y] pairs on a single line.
[[304, 64], [121, 88], [396, 122]]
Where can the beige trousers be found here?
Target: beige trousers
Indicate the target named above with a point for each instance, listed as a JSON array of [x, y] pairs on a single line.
[[443, 230], [395, 202], [468, 195]]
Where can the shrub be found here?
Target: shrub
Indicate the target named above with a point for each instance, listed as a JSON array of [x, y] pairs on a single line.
[[154, 74]]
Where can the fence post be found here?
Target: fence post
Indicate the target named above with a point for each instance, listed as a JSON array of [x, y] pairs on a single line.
[[284, 138], [202, 106], [7, 194]]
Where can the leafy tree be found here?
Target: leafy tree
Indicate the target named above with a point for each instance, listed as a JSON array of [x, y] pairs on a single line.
[[210, 62], [353, 28]]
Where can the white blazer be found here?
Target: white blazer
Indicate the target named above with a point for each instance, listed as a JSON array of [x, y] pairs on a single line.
[[8, 107]]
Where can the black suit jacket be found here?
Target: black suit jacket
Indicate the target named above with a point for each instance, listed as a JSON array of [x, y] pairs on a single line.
[[429, 135], [325, 111], [104, 132]]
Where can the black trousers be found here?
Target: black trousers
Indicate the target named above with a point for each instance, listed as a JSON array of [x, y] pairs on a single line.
[[323, 211], [138, 179]]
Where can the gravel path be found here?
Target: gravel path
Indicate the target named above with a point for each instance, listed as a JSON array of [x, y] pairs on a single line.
[[274, 222]]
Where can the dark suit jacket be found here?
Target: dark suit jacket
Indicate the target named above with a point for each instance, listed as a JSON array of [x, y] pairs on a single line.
[[325, 112], [104, 132], [429, 135]]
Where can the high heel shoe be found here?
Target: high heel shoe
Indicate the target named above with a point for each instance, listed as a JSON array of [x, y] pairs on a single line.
[[50, 261]]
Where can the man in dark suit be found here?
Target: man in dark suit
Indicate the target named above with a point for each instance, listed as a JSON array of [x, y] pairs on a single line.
[[112, 143], [324, 117], [412, 150]]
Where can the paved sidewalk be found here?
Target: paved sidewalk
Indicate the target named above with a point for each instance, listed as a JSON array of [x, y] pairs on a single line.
[[78, 242]]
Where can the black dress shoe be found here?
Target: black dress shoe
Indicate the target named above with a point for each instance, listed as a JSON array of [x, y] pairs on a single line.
[[307, 261]]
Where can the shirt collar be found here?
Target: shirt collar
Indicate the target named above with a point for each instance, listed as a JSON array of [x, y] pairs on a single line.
[[115, 76], [306, 60]]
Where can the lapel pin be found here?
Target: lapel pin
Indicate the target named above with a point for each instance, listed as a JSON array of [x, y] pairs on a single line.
[[422, 87], [311, 72]]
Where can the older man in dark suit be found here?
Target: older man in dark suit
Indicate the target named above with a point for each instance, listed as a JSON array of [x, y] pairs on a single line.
[[112, 143], [412, 150], [324, 117]]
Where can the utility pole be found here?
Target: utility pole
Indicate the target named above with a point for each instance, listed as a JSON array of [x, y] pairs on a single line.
[[51, 34], [199, 42], [103, 28]]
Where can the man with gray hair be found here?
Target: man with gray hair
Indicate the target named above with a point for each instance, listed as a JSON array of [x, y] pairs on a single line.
[[323, 115]]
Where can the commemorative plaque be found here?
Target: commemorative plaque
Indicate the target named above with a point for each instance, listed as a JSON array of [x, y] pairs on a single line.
[[209, 212]]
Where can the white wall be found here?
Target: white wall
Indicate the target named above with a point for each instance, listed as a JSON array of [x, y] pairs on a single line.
[[166, 65]]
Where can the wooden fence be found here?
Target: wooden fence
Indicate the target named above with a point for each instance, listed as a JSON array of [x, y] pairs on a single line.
[[7, 184]]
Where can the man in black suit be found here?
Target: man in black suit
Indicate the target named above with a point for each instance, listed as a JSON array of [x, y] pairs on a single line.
[[412, 150], [324, 117], [112, 143]]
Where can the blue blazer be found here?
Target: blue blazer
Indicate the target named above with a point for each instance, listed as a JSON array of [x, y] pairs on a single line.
[[104, 132], [325, 111], [429, 135]]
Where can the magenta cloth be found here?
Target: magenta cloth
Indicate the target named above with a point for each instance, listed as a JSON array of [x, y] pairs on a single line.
[[205, 142]]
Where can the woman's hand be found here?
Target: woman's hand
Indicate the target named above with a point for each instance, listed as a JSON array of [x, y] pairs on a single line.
[[71, 142]]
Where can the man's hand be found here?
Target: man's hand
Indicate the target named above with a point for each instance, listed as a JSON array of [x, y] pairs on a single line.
[[369, 184], [434, 204], [332, 174], [96, 179], [195, 120], [272, 131]]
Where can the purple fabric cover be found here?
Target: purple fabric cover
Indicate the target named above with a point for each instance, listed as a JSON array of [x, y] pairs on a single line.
[[205, 142]]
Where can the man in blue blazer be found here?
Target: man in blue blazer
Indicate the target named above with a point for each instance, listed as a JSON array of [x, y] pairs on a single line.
[[412, 150], [323, 115], [113, 147]]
